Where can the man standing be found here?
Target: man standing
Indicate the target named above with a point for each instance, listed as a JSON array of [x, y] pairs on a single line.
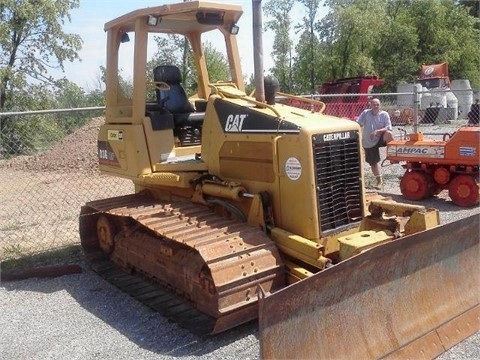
[[474, 113], [376, 132]]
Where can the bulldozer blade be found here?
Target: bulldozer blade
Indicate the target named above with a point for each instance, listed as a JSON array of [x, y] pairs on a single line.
[[414, 297]]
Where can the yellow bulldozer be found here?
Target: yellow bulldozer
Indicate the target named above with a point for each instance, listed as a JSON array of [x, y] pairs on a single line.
[[245, 208]]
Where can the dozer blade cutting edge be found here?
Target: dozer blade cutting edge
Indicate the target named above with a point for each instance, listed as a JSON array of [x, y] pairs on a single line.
[[414, 297]]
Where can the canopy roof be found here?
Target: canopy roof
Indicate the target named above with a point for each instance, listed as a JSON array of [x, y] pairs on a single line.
[[181, 18]]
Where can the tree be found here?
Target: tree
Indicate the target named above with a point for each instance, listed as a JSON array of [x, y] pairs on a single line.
[[170, 50], [217, 64], [308, 27], [473, 7], [28, 135], [217, 67], [32, 42], [352, 31], [306, 75], [447, 32], [282, 43], [393, 38], [394, 55], [68, 95]]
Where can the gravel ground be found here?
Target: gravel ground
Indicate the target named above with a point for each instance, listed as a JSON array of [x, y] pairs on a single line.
[[83, 317]]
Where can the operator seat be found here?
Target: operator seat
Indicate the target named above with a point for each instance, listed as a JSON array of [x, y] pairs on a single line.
[[175, 100]]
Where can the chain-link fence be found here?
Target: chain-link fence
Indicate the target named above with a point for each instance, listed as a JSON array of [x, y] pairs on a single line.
[[48, 166], [48, 170], [427, 107]]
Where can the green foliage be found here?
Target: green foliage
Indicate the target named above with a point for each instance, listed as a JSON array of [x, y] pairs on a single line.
[[473, 8], [446, 32], [32, 42], [31, 134], [69, 95], [282, 43], [169, 49], [387, 38], [217, 66], [28, 140], [307, 70], [394, 56], [308, 55], [173, 50]]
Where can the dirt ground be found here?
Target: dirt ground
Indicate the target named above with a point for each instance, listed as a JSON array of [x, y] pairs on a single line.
[[74, 154], [42, 195]]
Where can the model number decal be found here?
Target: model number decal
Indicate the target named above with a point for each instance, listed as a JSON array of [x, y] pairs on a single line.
[[106, 155], [115, 135]]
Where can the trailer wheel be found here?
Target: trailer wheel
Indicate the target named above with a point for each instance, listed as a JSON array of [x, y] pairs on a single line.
[[105, 234], [463, 190], [416, 185]]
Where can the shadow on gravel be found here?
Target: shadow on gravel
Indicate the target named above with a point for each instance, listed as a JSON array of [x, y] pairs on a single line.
[[141, 325]]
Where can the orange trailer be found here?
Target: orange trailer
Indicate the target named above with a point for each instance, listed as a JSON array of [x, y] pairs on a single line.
[[434, 165]]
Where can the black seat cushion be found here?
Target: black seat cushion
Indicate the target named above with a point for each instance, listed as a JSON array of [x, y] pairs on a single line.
[[175, 99]]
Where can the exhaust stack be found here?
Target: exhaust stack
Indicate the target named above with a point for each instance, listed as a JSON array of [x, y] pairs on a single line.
[[258, 50]]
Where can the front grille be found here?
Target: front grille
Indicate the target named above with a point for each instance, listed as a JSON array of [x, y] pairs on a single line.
[[338, 179]]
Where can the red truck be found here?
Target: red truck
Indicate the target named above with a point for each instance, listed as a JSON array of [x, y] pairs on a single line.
[[434, 76], [348, 104]]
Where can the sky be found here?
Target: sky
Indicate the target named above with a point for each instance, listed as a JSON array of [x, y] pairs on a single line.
[[88, 20]]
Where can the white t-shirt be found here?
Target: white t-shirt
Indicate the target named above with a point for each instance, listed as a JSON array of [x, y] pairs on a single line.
[[370, 122]]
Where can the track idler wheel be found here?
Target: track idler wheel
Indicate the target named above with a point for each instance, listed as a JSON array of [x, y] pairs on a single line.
[[105, 234], [463, 190], [416, 185]]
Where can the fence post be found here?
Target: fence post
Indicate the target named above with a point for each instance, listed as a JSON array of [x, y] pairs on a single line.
[[416, 104]]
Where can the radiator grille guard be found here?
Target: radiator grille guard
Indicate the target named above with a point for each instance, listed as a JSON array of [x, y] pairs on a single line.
[[338, 179]]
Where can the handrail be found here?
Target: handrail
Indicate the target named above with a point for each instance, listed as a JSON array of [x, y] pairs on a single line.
[[307, 100], [225, 93]]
